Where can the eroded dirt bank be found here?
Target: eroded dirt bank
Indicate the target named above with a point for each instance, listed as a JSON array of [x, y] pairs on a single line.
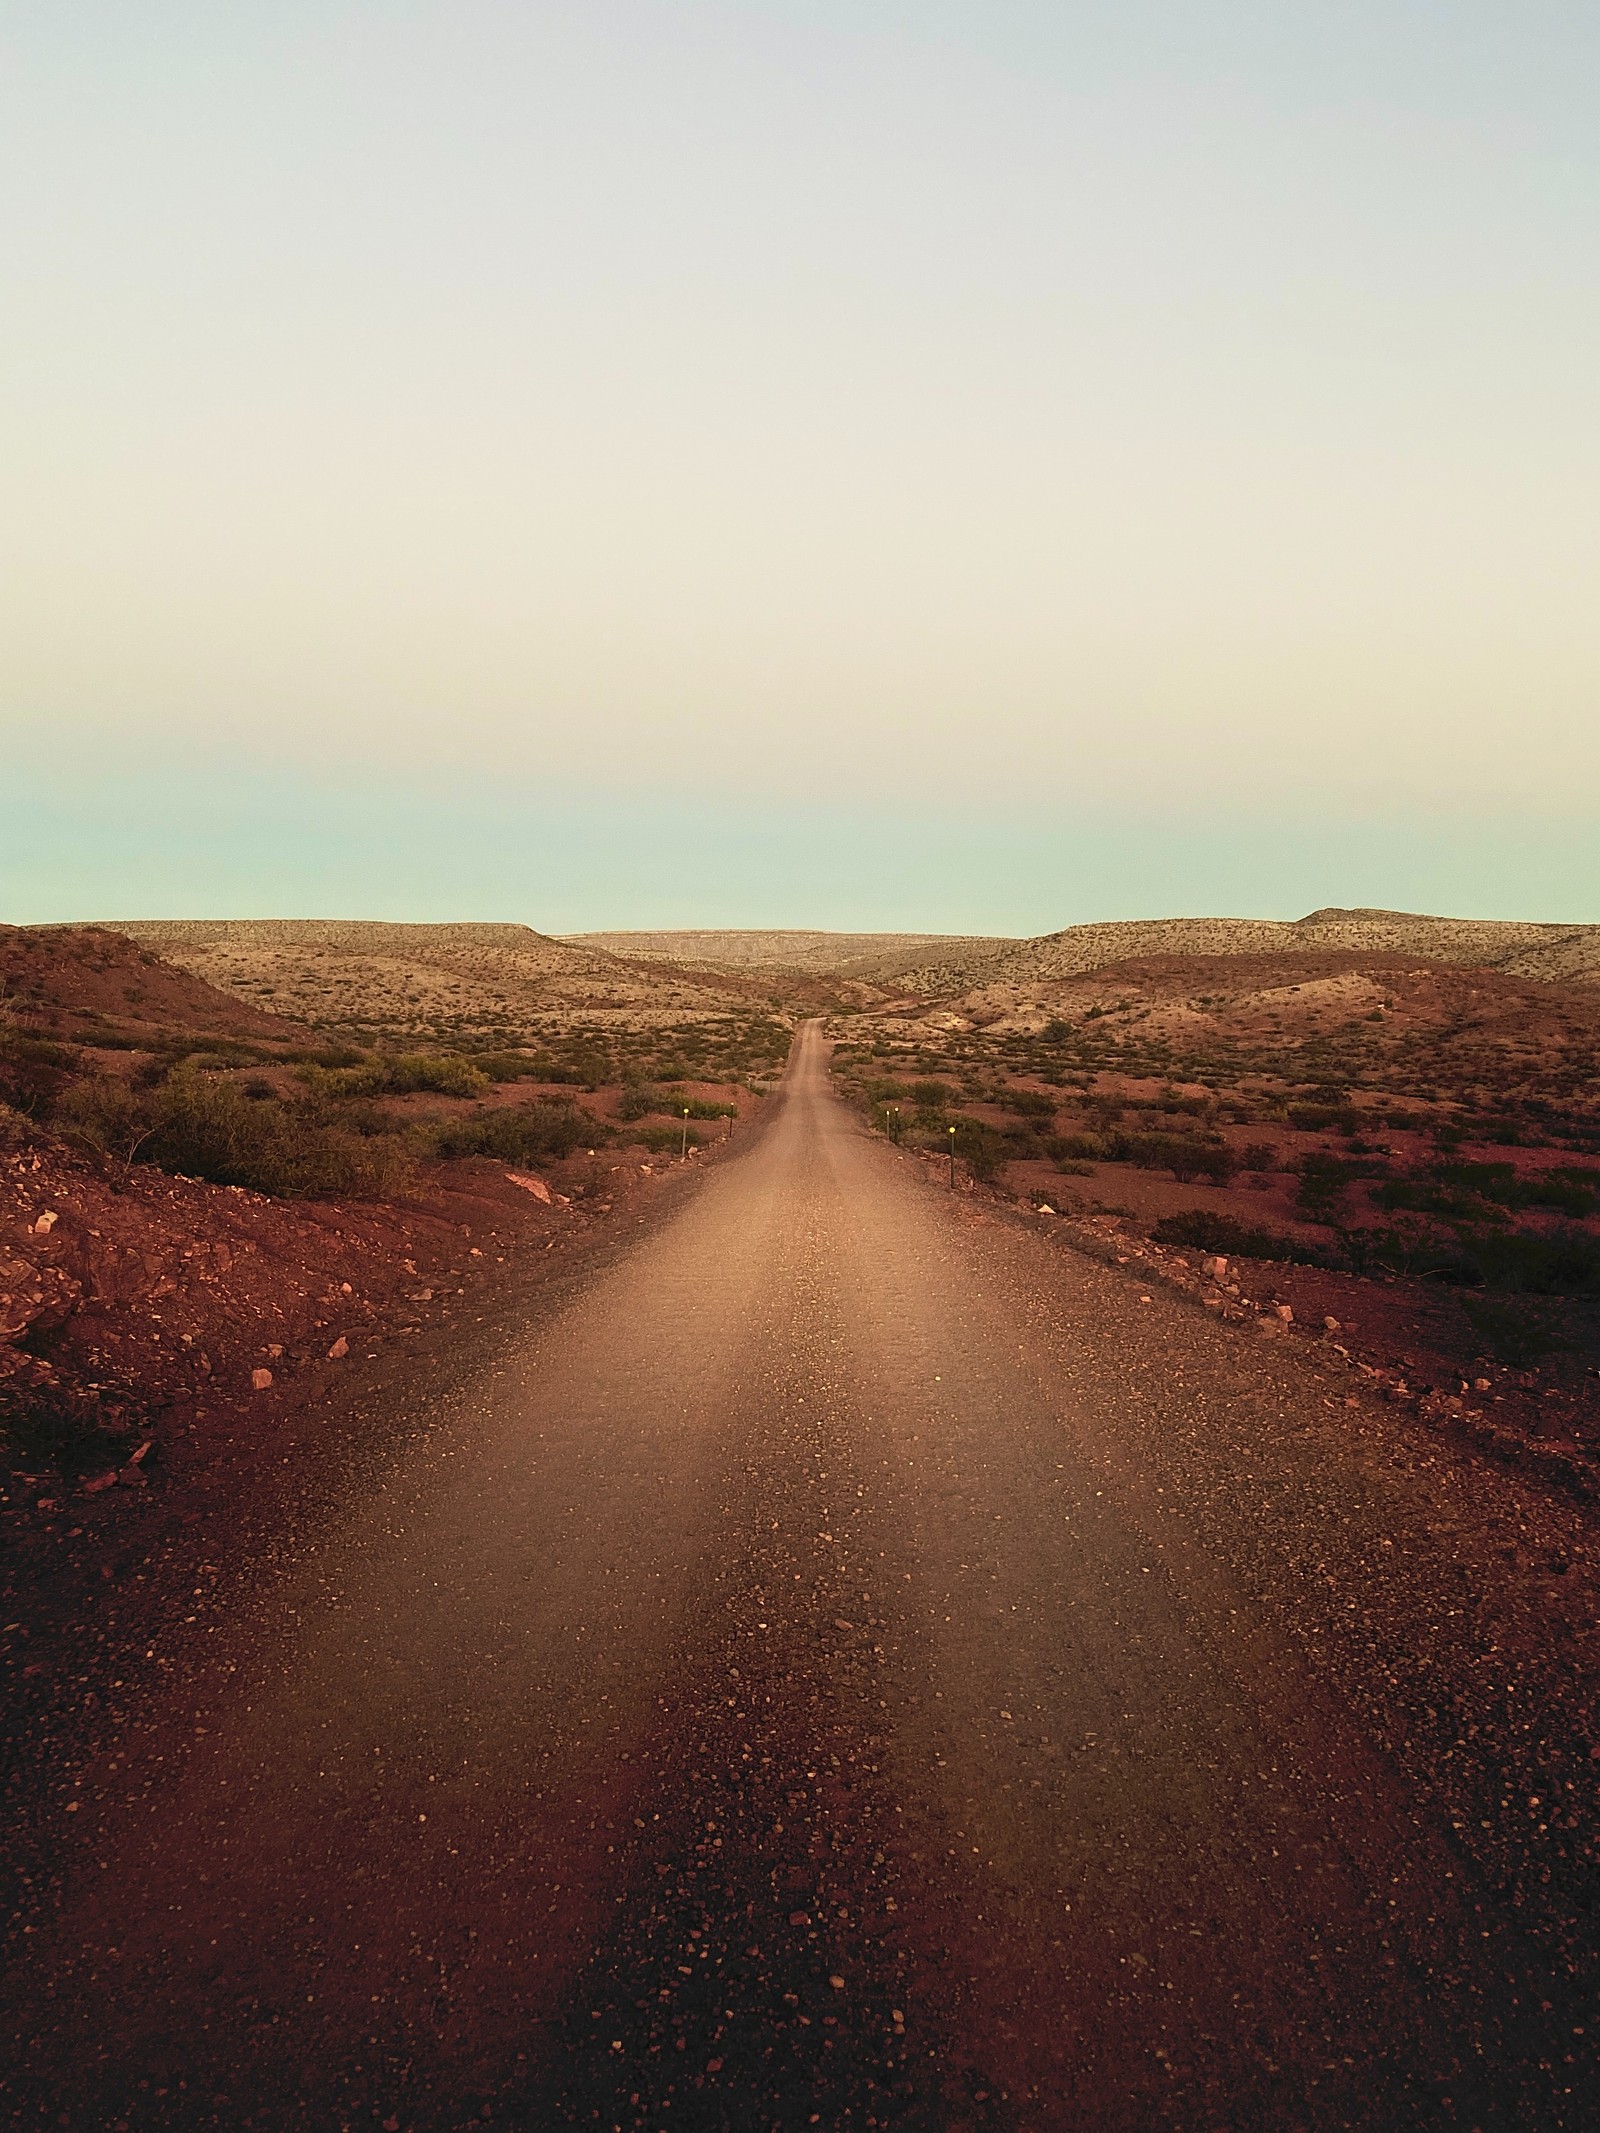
[[839, 1661]]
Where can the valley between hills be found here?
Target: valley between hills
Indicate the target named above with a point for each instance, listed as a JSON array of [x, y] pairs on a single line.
[[776, 1323]]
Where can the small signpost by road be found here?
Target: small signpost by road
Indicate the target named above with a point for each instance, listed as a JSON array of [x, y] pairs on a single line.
[[952, 1158]]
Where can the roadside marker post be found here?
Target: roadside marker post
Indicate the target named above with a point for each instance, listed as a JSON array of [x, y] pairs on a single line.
[[952, 1158], [683, 1152]]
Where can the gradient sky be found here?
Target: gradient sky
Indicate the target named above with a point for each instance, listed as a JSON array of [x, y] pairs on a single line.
[[904, 463]]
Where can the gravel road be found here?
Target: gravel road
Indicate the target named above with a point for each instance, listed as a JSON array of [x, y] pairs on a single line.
[[858, 1664]]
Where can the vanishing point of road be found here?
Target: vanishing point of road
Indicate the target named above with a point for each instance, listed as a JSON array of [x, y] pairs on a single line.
[[854, 1663]]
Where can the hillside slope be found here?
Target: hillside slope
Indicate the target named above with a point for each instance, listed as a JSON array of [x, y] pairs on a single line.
[[68, 979], [440, 981], [1552, 952], [784, 950]]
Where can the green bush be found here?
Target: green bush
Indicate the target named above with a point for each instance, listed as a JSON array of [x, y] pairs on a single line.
[[1515, 1331], [641, 1101], [1201, 1230], [1324, 1180], [1566, 1263], [33, 1070], [1075, 1148], [106, 1114], [510, 1066], [440, 1073], [196, 1126], [1028, 1103], [548, 1128], [1316, 1118], [1469, 1191], [1186, 1155], [1569, 1190], [1412, 1249], [983, 1148], [664, 1140]]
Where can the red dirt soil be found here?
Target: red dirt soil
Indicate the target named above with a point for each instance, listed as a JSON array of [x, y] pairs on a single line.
[[64, 979]]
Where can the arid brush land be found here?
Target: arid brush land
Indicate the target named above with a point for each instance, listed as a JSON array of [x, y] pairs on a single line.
[[633, 1264], [1385, 1119]]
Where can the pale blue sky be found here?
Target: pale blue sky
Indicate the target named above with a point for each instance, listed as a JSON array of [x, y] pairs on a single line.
[[889, 464]]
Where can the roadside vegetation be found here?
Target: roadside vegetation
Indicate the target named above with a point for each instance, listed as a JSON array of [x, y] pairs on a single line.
[[1466, 1170], [340, 1120]]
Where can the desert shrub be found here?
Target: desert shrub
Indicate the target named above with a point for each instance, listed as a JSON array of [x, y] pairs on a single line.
[[510, 1066], [1413, 1249], [1428, 1195], [329, 1055], [1201, 1230], [1055, 1032], [33, 1070], [441, 1073], [1459, 1185], [1316, 1118], [212, 1054], [1028, 1103], [1569, 1190], [932, 1096], [1185, 1106], [1324, 1179], [105, 1114], [197, 1126], [1075, 1148], [1258, 1155], [1185, 1155], [983, 1148], [519, 1133], [1565, 1264], [1515, 1330], [664, 1140], [1467, 1191], [639, 1101], [1502, 1132], [210, 1129]]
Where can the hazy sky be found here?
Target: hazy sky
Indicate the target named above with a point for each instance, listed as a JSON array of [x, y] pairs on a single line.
[[641, 461]]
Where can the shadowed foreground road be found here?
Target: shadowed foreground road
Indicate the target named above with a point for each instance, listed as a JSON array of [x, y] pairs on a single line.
[[856, 1666]]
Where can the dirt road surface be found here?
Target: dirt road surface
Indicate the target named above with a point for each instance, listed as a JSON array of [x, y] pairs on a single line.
[[852, 1664]]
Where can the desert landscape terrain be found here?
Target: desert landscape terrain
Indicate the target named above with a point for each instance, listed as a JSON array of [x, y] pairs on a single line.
[[652, 1529]]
